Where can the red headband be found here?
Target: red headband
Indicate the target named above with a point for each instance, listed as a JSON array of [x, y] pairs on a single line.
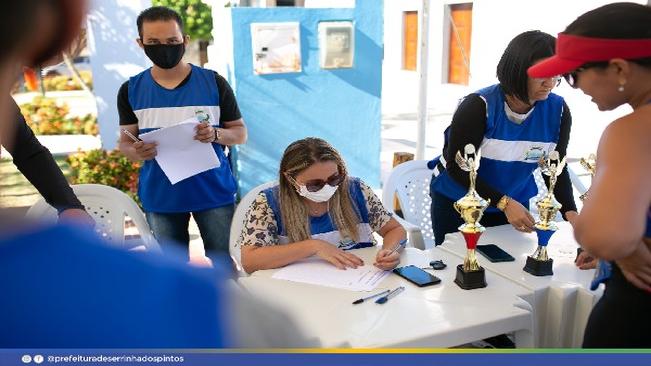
[[574, 51]]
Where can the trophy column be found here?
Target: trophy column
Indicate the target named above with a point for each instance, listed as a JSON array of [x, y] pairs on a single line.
[[589, 164], [539, 263], [470, 274]]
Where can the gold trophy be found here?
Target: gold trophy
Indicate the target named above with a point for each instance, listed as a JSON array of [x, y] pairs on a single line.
[[470, 275], [539, 263], [589, 164]]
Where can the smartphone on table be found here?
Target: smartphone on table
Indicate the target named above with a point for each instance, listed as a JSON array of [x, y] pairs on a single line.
[[494, 253], [416, 276]]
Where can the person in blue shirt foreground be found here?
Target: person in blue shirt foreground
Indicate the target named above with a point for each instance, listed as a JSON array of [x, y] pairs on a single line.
[[63, 287]]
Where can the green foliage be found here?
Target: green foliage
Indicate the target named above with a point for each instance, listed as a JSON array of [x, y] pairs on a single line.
[[110, 168], [196, 15], [47, 117], [63, 82]]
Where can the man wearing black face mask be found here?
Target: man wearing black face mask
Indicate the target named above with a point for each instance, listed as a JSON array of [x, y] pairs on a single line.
[[169, 92]]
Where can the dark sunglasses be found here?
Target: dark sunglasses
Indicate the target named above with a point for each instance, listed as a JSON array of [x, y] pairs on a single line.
[[572, 77], [314, 185]]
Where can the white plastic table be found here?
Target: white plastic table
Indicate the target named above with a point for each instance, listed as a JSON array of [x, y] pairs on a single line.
[[442, 315], [561, 302]]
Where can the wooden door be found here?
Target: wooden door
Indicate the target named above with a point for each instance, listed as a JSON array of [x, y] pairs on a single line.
[[410, 44], [459, 43]]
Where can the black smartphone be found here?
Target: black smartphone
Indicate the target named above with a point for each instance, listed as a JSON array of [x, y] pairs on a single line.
[[416, 276], [494, 253]]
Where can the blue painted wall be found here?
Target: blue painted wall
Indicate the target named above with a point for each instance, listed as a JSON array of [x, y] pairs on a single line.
[[341, 106]]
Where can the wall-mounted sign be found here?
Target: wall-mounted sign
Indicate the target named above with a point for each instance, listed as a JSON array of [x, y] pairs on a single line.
[[276, 47], [336, 44]]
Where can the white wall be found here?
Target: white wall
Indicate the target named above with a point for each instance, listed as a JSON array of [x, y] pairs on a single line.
[[400, 87], [220, 53], [114, 57], [495, 23]]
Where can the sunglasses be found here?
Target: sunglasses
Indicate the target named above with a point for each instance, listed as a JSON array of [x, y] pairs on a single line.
[[315, 185], [572, 77]]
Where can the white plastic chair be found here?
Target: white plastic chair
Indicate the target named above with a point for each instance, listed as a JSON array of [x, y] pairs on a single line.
[[108, 207], [238, 224], [575, 178], [410, 181]]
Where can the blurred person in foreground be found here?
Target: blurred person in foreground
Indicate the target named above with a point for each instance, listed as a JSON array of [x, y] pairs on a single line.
[[606, 53], [62, 287]]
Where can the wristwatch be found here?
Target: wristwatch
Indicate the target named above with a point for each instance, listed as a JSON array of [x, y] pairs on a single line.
[[217, 134], [503, 202]]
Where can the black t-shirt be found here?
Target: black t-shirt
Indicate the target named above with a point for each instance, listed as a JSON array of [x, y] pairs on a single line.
[[468, 127], [37, 165], [229, 111]]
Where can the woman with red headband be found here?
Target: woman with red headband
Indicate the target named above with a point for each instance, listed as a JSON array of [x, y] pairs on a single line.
[[607, 54]]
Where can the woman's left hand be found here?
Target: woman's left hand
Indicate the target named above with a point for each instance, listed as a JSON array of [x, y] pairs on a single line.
[[386, 260], [637, 267]]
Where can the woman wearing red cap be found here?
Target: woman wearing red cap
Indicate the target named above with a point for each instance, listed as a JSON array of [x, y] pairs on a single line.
[[607, 54]]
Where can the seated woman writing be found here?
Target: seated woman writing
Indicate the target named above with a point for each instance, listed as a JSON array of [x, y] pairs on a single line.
[[316, 209]]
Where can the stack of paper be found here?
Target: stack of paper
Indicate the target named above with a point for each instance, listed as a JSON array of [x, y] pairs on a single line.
[[319, 272], [179, 155]]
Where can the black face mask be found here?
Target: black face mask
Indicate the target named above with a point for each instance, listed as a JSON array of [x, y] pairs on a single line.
[[165, 56]]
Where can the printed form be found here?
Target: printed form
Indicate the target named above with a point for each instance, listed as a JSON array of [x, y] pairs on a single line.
[[316, 271]]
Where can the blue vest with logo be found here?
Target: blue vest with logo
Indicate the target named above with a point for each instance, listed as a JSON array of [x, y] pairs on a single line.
[[322, 227], [157, 107], [510, 151]]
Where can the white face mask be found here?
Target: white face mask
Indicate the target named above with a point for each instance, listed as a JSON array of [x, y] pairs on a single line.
[[322, 195]]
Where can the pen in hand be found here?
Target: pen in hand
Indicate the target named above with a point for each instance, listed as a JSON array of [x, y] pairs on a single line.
[[397, 247], [130, 135], [359, 301], [391, 294]]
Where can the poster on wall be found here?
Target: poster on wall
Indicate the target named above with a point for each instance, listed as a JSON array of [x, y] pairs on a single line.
[[276, 47], [336, 44]]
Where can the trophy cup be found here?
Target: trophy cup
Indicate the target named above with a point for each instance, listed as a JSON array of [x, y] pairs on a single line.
[[539, 263], [470, 275], [589, 164]]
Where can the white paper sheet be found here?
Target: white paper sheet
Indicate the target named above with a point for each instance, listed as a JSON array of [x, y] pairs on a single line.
[[318, 272], [179, 155]]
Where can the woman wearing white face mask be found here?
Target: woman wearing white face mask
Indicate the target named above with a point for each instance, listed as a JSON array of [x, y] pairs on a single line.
[[316, 209]]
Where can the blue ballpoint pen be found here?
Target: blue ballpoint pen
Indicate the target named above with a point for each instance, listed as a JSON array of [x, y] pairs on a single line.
[[391, 294], [359, 301]]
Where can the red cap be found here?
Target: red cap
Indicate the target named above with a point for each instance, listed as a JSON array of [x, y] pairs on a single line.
[[574, 51]]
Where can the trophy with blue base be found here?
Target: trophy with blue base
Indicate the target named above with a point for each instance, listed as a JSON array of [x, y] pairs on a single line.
[[539, 263], [470, 274]]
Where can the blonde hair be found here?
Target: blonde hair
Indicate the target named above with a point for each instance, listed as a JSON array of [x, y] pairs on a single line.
[[297, 157]]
